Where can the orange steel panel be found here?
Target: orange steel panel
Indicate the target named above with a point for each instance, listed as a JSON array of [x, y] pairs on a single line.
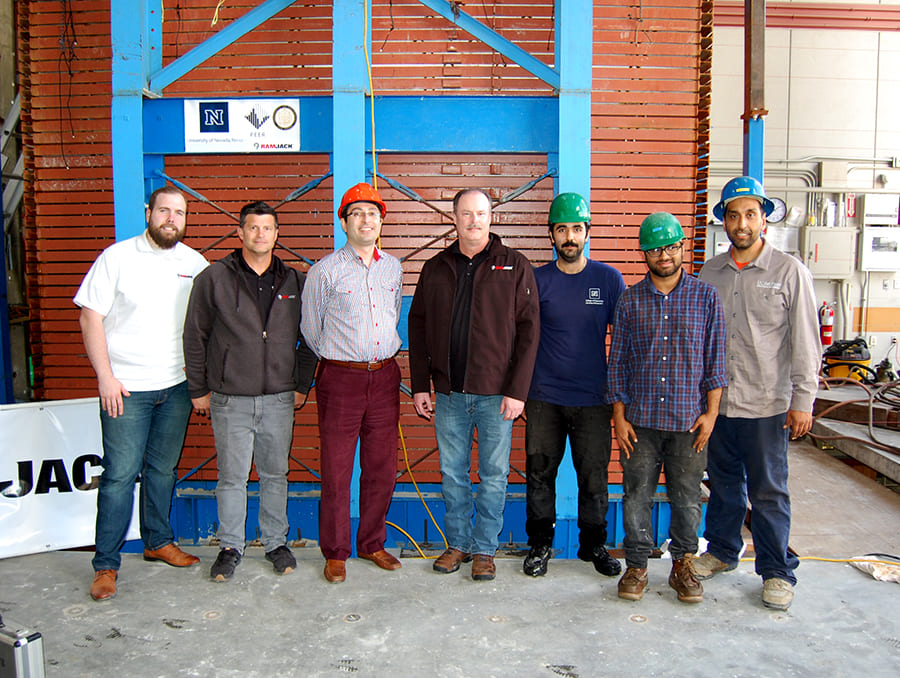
[[643, 116]]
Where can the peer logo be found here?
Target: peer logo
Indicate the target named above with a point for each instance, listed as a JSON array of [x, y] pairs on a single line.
[[213, 116]]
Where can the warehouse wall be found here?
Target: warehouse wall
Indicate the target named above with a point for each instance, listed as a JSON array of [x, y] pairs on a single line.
[[833, 95]]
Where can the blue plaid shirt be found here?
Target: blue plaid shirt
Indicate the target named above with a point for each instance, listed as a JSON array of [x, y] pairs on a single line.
[[667, 352]]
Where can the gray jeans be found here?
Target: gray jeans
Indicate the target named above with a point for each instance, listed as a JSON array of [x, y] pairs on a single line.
[[684, 467], [255, 429]]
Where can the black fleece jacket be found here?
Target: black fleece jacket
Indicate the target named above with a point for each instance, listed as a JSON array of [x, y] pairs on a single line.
[[227, 347]]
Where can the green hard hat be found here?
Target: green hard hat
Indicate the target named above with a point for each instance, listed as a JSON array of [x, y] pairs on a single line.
[[569, 208], [658, 230]]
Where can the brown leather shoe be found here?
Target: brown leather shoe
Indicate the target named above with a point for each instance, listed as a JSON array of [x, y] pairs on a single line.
[[633, 583], [449, 561], [104, 585], [684, 580], [171, 555], [483, 567], [335, 571], [382, 559]]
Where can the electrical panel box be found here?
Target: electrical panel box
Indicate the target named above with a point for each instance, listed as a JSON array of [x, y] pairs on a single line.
[[829, 252], [879, 248], [881, 209]]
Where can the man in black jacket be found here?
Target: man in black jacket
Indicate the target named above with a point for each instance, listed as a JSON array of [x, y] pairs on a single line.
[[474, 329], [248, 368]]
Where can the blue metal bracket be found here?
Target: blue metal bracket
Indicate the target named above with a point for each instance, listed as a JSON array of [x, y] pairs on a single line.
[[754, 148], [456, 16]]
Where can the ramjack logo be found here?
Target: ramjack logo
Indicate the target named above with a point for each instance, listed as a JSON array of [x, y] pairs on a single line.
[[53, 475], [214, 116], [257, 117]]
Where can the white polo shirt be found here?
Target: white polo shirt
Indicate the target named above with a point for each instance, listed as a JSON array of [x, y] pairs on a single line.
[[142, 293]]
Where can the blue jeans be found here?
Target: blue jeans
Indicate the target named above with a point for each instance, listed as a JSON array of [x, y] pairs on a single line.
[[589, 432], [252, 429], [455, 419], [749, 457], [684, 471], [146, 440]]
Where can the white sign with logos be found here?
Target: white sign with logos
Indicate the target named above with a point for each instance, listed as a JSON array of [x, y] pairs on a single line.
[[242, 125], [50, 455]]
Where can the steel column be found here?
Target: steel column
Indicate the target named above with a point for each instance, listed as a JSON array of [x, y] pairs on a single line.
[[128, 29], [754, 88], [573, 48]]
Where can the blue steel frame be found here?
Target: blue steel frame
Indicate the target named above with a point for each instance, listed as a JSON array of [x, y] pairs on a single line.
[[146, 126]]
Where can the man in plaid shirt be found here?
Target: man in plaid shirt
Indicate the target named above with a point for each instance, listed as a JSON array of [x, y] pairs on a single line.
[[666, 375]]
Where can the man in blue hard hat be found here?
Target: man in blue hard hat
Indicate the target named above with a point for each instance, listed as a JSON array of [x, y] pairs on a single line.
[[773, 359], [567, 399], [666, 374]]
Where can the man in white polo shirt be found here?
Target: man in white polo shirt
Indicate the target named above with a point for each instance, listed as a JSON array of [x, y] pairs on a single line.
[[133, 302]]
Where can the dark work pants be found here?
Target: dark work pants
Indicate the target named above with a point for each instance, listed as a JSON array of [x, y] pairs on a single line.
[[589, 432]]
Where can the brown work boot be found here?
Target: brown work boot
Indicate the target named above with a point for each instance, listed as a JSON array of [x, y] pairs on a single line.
[[104, 584], [633, 583], [449, 561], [684, 580], [483, 567]]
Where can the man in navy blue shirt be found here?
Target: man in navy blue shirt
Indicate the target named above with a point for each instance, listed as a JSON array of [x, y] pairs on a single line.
[[567, 398], [667, 372]]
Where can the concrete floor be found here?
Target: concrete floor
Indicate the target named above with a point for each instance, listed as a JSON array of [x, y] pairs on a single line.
[[413, 622]]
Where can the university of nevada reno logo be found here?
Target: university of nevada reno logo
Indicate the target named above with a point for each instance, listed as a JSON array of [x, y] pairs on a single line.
[[214, 116]]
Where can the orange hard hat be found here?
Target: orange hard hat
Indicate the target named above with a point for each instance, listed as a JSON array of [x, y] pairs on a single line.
[[361, 193]]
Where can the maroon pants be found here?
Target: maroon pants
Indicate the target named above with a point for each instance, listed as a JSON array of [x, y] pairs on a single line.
[[356, 404]]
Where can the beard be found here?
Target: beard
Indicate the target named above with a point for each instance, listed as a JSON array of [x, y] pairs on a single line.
[[164, 240], [572, 257]]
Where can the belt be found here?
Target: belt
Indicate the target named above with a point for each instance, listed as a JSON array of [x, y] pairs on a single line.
[[373, 366]]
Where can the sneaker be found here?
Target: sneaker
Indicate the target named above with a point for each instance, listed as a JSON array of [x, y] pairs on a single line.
[[282, 559], [226, 561], [535, 564], [684, 580], [603, 562], [777, 593], [633, 583], [708, 565]]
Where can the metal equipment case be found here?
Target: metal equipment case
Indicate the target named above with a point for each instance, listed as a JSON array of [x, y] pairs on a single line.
[[21, 651]]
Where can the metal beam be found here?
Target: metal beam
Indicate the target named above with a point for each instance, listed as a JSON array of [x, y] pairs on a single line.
[[128, 31], [573, 48], [754, 88], [456, 16], [211, 46]]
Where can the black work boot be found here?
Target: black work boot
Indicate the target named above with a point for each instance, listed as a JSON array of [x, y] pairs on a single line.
[[604, 563], [535, 564]]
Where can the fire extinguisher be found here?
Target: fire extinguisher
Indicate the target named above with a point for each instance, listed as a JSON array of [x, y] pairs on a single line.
[[826, 324]]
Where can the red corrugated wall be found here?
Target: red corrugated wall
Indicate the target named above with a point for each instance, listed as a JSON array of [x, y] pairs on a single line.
[[647, 120]]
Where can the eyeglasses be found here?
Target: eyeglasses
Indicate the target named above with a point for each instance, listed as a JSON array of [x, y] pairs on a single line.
[[364, 214], [668, 249]]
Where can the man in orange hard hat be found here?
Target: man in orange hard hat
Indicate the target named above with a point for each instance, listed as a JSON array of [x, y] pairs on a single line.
[[351, 307]]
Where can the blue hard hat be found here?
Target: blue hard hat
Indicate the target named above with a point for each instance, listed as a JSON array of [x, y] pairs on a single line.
[[742, 187]]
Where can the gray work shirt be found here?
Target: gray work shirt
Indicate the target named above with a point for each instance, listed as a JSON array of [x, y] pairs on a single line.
[[772, 340]]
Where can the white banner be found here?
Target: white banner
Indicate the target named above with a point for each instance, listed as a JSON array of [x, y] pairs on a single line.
[[242, 126], [50, 455]]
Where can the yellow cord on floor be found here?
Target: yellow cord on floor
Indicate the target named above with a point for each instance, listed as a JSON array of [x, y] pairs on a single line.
[[421, 498], [835, 560]]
